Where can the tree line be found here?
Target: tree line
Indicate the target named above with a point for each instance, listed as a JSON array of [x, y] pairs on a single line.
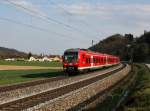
[[127, 47]]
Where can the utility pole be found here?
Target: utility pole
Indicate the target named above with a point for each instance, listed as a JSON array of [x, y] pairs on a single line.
[[92, 42], [130, 47], [132, 52]]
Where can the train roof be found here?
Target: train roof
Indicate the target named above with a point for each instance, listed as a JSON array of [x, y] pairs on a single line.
[[72, 50], [87, 50]]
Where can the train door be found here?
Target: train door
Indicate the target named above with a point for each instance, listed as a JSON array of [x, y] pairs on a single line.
[[91, 60], [83, 60]]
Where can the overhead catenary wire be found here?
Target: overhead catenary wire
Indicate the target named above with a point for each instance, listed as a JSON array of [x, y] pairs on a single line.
[[36, 28], [72, 15], [40, 16], [27, 25]]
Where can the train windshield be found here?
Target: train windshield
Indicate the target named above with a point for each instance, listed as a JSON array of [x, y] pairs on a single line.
[[71, 57]]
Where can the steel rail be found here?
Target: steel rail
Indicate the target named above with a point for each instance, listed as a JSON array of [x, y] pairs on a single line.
[[31, 101]]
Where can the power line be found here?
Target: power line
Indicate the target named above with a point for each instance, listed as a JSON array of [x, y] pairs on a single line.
[[48, 18], [62, 9], [62, 36], [34, 27], [69, 14], [19, 23]]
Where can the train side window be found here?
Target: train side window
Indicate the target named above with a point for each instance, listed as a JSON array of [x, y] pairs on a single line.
[[89, 60], [101, 59], [83, 56], [93, 60], [86, 60]]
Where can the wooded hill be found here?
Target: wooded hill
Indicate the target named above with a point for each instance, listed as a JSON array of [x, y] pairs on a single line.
[[11, 53], [126, 47]]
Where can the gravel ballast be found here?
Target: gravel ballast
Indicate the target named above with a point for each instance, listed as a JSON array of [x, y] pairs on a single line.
[[33, 90], [72, 99]]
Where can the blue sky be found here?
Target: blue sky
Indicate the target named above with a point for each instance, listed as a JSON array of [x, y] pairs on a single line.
[[51, 26]]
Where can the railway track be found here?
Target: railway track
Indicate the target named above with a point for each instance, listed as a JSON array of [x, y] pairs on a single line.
[[34, 100], [90, 104], [33, 83], [20, 93]]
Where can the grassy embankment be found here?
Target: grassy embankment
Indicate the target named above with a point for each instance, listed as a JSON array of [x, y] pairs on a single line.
[[139, 99], [17, 76], [139, 96]]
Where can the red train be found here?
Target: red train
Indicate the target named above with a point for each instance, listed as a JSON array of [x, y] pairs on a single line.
[[76, 60]]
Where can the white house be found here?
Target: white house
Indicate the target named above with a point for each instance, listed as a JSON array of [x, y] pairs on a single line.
[[10, 59], [46, 59], [32, 59], [55, 59]]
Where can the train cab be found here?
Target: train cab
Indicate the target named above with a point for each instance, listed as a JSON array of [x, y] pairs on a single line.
[[70, 60]]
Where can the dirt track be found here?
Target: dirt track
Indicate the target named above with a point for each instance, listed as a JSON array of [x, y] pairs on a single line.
[[10, 67]]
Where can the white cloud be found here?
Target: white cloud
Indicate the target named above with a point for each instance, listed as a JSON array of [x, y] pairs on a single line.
[[124, 17], [85, 9]]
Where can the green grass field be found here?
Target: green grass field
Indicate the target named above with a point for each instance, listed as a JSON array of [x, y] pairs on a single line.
[[11, 77], [17, 76], [36, 63]]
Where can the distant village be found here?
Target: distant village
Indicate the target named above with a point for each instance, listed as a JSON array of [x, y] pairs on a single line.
[[8, 54], [51, 58]]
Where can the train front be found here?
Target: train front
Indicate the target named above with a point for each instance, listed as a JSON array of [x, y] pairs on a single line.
[[70, 60]]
